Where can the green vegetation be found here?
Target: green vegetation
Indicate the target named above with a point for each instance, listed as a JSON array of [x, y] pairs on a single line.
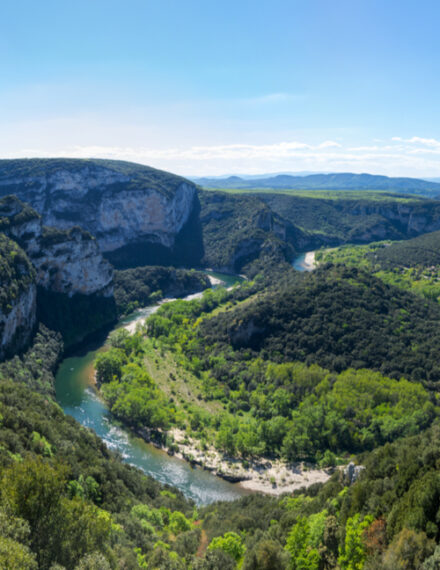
[[36, 367], [338, 365], [146, 285], [356, 219], [52, 236], [239, 230], [337, 317], [13, 212], [267, 404], [136, 175], [244, 226], [334, 194], [66, 499], [85, 509], [16, 273], [386, 519], [413, 264]]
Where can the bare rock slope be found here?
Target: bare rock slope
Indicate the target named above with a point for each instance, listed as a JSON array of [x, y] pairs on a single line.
[[117, 202]]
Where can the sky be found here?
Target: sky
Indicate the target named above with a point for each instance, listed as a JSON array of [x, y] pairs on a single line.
[[212, 87]]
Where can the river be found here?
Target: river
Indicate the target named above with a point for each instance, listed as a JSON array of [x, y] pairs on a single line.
[[77, 396], [305, 261]]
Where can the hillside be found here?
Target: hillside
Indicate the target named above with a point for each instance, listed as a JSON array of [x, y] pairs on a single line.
[[421, 251], [238, 229], [143, 286], [337, 317], [279, 382], [412, 265], [17, 298], [333, 181]]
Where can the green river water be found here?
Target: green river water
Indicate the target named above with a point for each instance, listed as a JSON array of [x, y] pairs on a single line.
[[76, 395]]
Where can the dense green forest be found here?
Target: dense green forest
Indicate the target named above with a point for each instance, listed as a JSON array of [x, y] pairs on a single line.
[[238, 227], [237, 230], [268, 360], [16, 273], [316, 371], [413, 264], [84, 509], [143, 286]]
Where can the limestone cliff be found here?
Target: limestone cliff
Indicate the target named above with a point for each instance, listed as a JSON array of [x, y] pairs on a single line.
[[354, 220], [117, 202], [17, 298], [65, 261], [74, 283], [70, 262]]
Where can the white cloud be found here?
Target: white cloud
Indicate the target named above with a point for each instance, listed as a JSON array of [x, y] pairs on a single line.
[[414, 156], [418, 140]]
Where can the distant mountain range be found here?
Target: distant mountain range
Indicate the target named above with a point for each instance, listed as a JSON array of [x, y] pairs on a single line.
[[332, 181]]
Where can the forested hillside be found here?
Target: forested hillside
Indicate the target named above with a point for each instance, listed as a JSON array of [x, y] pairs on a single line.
[[319, 389], [413, 265], [239, 228], [143, 286], [84, 509]]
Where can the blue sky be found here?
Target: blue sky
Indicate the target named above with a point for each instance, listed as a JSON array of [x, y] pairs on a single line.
[[212, 87]]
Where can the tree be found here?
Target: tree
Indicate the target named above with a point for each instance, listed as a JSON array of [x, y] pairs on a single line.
[[303, 555], [266, 555], [408, 550], [354, 551], [179, 523], [16, 556], [231, 543], [62, 530], [109, 365]]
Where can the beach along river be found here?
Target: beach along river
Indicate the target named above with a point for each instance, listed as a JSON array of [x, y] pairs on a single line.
[[77, 396]]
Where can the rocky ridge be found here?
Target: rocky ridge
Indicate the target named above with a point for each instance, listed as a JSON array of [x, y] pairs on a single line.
[[119, 203]]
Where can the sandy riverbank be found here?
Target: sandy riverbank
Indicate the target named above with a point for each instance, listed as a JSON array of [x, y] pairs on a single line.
[[309, 261], [272, 477], [147, 311]]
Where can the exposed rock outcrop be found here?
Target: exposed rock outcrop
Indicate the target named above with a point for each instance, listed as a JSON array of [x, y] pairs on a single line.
[[117, 202], [65, 261], [70, 262], [73, 282], [17, 298], [351, 472]]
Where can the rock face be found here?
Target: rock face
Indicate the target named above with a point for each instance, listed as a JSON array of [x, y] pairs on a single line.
[[17, 325], [239, 229], [332, 222], [70, 262], [17, 298], [72, 282], [351, 472], [118, 203], [65, 261]]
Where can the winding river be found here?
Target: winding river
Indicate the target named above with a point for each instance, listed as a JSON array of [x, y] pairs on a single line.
[[77, 396]]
